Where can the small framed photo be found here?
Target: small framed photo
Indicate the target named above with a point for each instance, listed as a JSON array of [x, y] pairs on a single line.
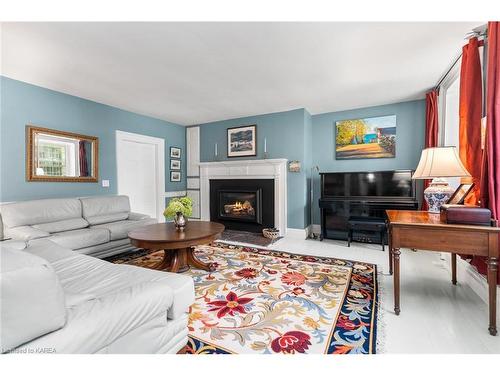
[[460, 194], [242, 141], [175, 164], [175, 176], [175, 152]]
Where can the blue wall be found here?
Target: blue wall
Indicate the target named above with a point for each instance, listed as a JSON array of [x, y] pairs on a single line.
[[285, 133], [410, 128], [23, 104], [294, 135]]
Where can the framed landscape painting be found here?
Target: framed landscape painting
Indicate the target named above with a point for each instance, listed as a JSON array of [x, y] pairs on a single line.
[[366, 138], [241, 141]]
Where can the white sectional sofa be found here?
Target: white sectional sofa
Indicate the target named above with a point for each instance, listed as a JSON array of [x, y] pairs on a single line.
[[55, 300], [96, 226]]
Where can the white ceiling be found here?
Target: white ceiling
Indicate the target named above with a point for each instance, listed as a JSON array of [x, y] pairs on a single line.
[[191, 73]]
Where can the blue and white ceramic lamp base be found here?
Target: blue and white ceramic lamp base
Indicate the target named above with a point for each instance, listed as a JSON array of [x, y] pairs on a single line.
[[437, 194]]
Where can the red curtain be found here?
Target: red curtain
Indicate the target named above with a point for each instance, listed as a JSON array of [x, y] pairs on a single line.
[[493, 120], [84, 169], [491, 164], [471, 107], [431, 127]]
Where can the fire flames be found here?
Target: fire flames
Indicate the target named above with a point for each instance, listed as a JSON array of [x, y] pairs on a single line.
[[239, 208]]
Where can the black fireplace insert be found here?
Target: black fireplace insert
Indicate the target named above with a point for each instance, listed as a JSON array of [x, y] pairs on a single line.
[[243, 204]]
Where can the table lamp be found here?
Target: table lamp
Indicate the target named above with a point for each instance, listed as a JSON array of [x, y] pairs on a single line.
[[438, 163]]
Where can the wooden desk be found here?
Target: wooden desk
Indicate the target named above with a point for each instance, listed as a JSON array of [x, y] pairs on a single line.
[[423, 230]]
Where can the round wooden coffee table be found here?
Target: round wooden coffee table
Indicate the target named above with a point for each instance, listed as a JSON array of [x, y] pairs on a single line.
[[177, 246]]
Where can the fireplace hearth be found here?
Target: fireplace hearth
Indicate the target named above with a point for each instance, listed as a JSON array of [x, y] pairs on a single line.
[[246, 204]]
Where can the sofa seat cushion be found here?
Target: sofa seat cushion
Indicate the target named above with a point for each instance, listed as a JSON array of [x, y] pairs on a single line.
[[62, 225], [110, 218], [78, 239], [137, 216], [81, 274], [13, 245], [119, 229], [25, 233], [32, 298]]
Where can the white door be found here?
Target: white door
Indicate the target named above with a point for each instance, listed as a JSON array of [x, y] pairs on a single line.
[[141, 172]]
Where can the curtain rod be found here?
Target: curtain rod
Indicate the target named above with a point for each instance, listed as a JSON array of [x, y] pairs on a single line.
[[448, 72], [470, 35]]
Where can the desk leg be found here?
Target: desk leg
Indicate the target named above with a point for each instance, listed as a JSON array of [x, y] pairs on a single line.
[[396, 253], [389, 242], [492, 284], [454, 268]]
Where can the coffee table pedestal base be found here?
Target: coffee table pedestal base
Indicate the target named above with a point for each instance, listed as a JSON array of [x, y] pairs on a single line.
[[179, 260]]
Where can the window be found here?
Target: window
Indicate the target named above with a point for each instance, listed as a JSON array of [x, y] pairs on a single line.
[[52, 159], [449, 113], [57, 156], [449, 109]]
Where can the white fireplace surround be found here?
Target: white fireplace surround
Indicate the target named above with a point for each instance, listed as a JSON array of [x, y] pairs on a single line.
[[275, 169]]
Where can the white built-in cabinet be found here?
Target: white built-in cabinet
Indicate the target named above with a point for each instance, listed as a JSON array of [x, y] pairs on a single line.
[[193, 151], [193, 168]]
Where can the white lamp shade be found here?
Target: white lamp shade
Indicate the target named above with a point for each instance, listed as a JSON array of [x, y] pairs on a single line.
[[438, 162]]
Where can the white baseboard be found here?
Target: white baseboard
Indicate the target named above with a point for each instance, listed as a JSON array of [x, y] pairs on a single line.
[[299, 234], [302, 234], [468, 275], [172, 194]]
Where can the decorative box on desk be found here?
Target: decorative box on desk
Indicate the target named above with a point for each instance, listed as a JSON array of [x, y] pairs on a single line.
[[461, 214]]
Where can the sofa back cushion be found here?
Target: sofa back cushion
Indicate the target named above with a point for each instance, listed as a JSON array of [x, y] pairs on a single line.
[[106, 209], [33, 302], [40, 211]]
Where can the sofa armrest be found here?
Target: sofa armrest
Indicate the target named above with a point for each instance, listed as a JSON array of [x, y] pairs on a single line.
[[25, 233], [134, 216], [32, 298]]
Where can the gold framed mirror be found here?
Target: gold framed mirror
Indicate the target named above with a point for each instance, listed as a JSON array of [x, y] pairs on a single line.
[[59, 156]]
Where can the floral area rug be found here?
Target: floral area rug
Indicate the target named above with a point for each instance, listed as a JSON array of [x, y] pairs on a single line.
[[264, 301]]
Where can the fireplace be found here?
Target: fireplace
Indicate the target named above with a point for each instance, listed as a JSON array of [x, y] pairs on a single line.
[[246, 204], [241, 205]]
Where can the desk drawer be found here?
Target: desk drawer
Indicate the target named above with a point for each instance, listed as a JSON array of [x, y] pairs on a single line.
[[459, 241]]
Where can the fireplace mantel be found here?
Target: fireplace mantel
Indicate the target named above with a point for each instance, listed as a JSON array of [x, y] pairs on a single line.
[[275, 169]]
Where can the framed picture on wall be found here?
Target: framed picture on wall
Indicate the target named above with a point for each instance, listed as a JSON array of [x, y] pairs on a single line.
[[242, 141], [175, 164], [175, 152], [366, 138], [175, 176]]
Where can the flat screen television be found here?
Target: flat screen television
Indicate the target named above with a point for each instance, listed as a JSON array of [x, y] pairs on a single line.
[[368, 184]]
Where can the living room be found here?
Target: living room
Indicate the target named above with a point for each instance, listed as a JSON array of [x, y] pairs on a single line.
[[253, 188]]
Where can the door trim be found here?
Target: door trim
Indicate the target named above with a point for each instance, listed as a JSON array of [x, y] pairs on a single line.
[[160, 163]]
